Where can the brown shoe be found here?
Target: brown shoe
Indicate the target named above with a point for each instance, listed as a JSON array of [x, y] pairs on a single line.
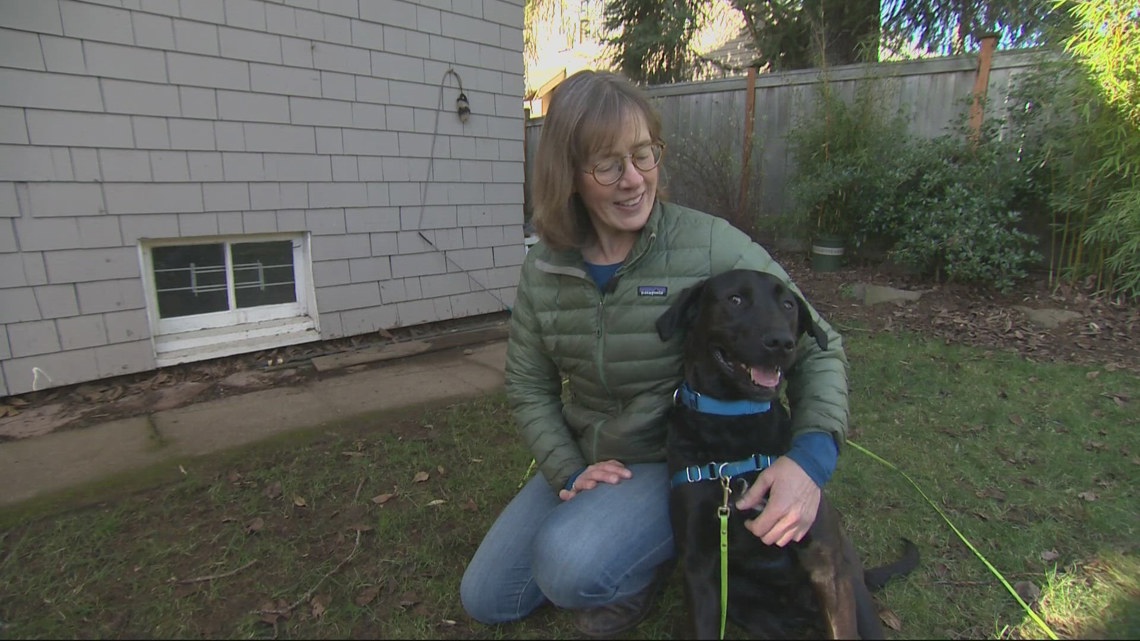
[[608, 621]]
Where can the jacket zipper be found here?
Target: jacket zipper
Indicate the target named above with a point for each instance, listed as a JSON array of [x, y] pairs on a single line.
[[599, 355]]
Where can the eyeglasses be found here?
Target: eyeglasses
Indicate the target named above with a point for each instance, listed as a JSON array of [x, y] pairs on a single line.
[[645, 158]]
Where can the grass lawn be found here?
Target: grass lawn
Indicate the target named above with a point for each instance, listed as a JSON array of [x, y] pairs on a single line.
[[364, 531]]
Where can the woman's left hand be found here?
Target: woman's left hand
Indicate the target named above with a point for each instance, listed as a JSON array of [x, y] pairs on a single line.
[[791, 507], [612, 471]]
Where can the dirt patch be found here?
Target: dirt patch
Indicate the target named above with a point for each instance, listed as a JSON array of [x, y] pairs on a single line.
[[1043, 323], [78, 406], [1093, 330]]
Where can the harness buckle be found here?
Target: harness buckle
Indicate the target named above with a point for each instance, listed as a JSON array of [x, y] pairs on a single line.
[[687, 396], [720, 473]]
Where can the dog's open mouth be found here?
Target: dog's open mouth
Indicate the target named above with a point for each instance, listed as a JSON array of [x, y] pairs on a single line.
[[759, 375]]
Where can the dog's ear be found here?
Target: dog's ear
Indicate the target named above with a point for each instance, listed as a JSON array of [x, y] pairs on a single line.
[[808, 326], [681, 313]]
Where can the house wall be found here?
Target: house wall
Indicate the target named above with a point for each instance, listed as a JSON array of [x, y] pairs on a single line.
[[123, 120]]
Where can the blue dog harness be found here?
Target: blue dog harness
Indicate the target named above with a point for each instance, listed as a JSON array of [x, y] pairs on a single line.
[[694, 400]]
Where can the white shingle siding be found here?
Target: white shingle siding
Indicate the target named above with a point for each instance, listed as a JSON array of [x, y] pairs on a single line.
[[190, 118]]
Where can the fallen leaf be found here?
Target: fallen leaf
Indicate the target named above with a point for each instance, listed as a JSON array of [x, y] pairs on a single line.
[[1092, 375], [320, 604], [890, 619], [367, 595], [1016, 419], [234, 476], [352, 454], [1119, 399], [299, 501], [439, 468], [420, 477], [273, 490], [1050, 555], [360, 528], [437, 502], [268, 613], [470, 505], [991, 493], [1028, 591], [17, 402], [381, 499], [255, 525], [1088, 496], [448, 622]]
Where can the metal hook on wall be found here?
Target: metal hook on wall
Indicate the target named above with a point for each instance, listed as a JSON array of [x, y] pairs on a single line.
[[462, 105]]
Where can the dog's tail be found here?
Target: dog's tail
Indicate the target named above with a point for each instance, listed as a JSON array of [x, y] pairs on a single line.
[[876, 578]]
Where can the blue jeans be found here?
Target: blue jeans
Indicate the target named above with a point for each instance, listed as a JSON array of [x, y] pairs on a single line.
[[600, 547]]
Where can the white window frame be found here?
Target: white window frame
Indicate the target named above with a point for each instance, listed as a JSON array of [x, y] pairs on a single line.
[[237, 330]]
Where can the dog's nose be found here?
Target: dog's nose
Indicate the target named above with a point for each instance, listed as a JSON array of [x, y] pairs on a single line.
[[779, 342]]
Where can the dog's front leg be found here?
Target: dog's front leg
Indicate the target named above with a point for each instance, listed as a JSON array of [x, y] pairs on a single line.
[[832, 587], [823, 557], [695, 530], [702, 591]]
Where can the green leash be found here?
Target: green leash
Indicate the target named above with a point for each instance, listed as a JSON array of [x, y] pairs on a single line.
[[723, 511], [1033, 615], [722, 514]]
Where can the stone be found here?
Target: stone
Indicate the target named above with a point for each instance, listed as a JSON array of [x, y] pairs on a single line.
[[875, 294], [1048, 317]]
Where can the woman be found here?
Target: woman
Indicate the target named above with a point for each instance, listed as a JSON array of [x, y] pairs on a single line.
[[591, 532]]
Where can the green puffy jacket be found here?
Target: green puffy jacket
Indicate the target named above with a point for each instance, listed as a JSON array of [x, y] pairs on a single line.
[[620, 375]]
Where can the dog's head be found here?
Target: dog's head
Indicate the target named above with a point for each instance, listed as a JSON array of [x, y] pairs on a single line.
[[741, 329]]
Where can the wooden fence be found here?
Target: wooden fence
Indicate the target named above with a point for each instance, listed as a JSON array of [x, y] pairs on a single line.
[[705, 122]]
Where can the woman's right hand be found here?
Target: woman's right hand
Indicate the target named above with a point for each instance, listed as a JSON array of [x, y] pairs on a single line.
[[611, 471]]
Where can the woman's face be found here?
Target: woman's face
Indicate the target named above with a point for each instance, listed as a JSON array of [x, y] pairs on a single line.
[[624, 206]]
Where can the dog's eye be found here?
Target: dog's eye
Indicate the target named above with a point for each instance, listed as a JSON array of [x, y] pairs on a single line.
[[789, 305], [735, 299]]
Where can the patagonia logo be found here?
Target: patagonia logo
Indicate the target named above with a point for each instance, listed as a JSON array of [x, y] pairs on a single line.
[[652, 290]]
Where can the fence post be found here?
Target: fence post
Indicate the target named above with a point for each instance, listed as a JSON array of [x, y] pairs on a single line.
[[982, 84], [746, 157]]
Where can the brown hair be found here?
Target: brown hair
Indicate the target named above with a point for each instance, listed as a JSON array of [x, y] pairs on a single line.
[[588, 112]]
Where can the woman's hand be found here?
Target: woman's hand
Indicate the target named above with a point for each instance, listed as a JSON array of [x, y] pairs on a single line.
[[612, 472], [791, 505]]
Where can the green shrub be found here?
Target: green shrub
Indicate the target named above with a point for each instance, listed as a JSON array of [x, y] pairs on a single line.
[[1078, 120], [1085, 160], [951, 207], [838, 150]]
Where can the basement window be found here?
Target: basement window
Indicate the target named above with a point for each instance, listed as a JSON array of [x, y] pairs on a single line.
[[211, 297]]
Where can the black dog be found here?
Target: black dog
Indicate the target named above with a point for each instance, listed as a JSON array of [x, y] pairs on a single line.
[[742, 329]]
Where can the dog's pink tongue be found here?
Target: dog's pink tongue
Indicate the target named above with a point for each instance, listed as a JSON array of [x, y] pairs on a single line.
[[765, 377]]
